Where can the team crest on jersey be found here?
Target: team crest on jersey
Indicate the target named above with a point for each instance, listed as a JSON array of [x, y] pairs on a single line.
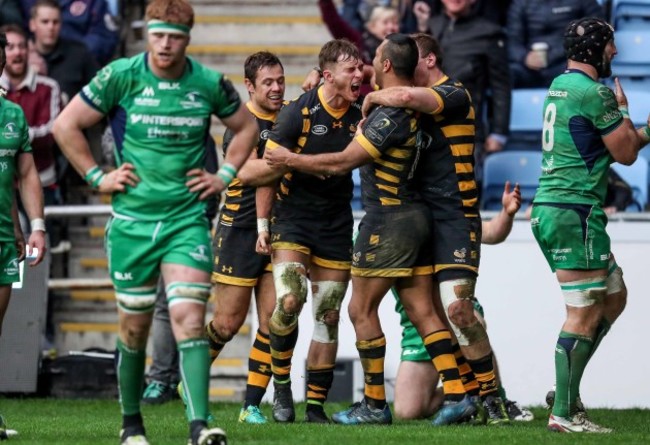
[[12, 267], [264, 135], [200, 253], [190, 100], [10, 131], [380, 128], [460, 255]]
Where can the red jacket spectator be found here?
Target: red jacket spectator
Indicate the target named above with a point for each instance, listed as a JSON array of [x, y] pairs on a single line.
[[40, 99]]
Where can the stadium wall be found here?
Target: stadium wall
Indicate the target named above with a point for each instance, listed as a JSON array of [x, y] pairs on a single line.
[[524, 311]]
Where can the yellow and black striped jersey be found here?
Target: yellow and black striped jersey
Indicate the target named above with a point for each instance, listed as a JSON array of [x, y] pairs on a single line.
[[239, 206], [308, 125], [445, 175], [392, 137]]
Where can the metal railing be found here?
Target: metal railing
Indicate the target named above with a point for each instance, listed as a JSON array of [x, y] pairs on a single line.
[[69, 211]]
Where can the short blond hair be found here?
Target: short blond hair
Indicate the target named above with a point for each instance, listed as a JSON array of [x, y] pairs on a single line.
[[382, 12], [178, 12]]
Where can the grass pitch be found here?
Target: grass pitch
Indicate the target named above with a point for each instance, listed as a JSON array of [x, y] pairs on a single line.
[[97, 422]]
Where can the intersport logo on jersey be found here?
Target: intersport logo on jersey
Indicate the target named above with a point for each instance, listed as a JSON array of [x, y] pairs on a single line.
[[170, 121]]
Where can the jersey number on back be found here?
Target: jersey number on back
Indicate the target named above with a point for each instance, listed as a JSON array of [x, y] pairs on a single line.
[[548, 132]]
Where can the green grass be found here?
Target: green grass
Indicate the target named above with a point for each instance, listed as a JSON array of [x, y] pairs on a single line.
[[96, 422]]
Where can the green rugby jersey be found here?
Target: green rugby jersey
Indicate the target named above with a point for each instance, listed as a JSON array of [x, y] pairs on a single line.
[[160, 126], [577, 112], [14, 140]]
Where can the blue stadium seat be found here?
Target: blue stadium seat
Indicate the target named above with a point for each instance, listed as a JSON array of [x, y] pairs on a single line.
[[356, 193], [631, 15], [639, 102], [636, 175], [522, 167], [633, 58], [526, 119]]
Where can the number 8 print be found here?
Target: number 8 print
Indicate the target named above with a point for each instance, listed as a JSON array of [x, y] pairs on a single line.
[[548, 132]]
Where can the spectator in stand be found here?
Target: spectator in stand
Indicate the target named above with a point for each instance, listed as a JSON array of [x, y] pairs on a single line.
[[40, 99], [494, 10], [66, 61], [88, 22], [71, 65], [10, 12], [475, 53], [542, 22], [382, 21]]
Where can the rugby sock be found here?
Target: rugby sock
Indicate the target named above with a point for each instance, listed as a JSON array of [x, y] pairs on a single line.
[[466, 375], [372, 353], [572, 353], [130, 377], [194, 364], [281, 355], [319, 382], [601, 331], [438, 345], [483, 369], [259, 370], [216, 342], [502, 392]]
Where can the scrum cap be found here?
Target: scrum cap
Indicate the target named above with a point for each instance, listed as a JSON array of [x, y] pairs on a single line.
[[585, 40]]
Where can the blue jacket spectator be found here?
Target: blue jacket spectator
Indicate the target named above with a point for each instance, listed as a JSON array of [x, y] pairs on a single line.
[[534, 21], [88, 22]]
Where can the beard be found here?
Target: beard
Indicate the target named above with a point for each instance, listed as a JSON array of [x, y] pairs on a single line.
[[16, 70], [605, 69]]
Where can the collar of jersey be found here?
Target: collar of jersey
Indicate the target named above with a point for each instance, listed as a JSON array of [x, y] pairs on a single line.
[[336, 113], [264, 116], [440, 81]]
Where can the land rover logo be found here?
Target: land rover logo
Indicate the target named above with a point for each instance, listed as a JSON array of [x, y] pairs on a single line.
[[319, 130]]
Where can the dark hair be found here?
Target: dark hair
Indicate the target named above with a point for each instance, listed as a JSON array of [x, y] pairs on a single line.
[[332, 50], [427, 44], [44, 3], [12, 27], [402, 51], [257, 61]]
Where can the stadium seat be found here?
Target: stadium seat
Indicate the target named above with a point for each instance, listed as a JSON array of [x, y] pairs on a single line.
[[526, 119], [631, 15], [639, 102], [356, 193], [633, 58], [522, 167], [636, 175]]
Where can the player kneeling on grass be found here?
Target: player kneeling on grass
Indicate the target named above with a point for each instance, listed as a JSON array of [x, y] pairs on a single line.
[[416, 395]]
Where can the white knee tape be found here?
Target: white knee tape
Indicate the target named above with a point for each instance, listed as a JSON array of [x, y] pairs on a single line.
[[454, 290], [184, 292], [457, 290], [327, 298], [136, 299], [615, 283], [290, 278], [584, 293]]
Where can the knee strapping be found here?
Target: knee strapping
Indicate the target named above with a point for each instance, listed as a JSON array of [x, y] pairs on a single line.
[[615, 283], [584, 293], [326, 307], [184, 292], [462, 289], [136, 300], [290, 283]]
